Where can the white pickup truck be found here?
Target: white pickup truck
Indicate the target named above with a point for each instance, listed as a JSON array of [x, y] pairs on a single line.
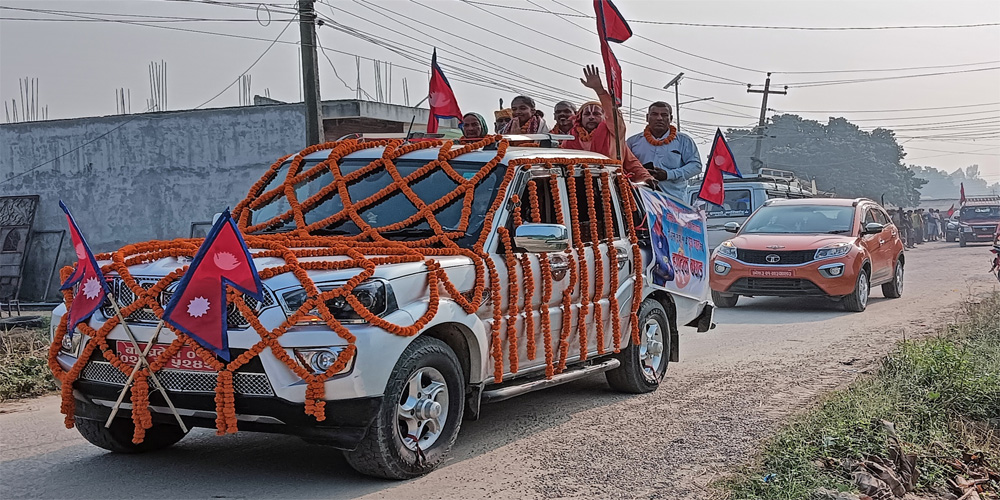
[[528, 277]]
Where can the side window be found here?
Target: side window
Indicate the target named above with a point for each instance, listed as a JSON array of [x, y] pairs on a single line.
[[589, 223], [536, 205], [870, 216], [882, 217]]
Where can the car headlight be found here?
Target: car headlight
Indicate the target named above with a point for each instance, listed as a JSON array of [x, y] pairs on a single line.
[[831, 251], [727, 249], [320, 359], [374, 295]]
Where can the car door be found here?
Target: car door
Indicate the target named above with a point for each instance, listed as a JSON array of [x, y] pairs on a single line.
[[871, 243], [538, 280], [889, 245]]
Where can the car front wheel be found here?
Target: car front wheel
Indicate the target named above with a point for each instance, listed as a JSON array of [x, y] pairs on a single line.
[[894, 288], [118, 437], [420, 415], [724, 300], [643, 365], [961, 239], [857, 301]]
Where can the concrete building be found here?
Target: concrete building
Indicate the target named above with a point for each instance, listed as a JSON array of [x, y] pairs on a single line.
[[130, 178]]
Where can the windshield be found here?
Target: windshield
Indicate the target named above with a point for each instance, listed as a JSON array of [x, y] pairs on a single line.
[[800, 219], [390, 208], [980, 213], [736, 204]]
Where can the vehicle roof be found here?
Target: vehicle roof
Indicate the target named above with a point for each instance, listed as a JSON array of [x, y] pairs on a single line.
[[833, 202], [479, 155]]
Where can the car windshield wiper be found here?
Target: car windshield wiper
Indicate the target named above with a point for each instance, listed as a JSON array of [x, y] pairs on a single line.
[[838, 231]]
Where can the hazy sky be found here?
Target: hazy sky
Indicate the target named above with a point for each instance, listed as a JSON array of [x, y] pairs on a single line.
[[80, 63]]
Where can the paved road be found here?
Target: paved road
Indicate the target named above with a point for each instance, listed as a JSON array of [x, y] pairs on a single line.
[[767, 359]]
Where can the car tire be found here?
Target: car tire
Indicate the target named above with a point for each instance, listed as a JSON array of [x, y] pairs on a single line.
[[858, 299], [894, 288], [724, 301], [644, 365], [429, 369], [118, 437], [949, 238], [961, 239]]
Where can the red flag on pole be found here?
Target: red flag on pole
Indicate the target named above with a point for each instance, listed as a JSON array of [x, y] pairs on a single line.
[[951, 211], [198, 306], [92, 290], [961, 200], [441, 97], [719, 160], [611, 27]]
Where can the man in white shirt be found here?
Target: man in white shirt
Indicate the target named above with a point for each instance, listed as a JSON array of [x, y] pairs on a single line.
[[671, 157]]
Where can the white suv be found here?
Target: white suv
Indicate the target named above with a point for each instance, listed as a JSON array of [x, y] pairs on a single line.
[[435, 321]]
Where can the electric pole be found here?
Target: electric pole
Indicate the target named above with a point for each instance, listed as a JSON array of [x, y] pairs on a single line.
[[676, 82], [755, 160], [310, 72]]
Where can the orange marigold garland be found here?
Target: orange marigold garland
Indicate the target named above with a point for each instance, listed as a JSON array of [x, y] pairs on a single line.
[[574, 217], [512, 296], [595, 240], [529, 310], [609, 229], [657, 142], [546, 271], [364, 251]]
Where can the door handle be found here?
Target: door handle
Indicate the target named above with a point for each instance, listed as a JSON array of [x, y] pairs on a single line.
[[622, 255], [558, 266]]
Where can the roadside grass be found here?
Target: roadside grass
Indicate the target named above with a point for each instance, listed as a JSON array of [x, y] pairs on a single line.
[[942, 394], [24, 370]]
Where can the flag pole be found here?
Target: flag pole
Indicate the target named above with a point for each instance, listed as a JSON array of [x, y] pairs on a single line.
[[131, 377], [142, 360]]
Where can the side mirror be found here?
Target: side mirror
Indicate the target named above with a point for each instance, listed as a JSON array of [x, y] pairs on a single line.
[[537, 238], [873, 228], [732, 227]]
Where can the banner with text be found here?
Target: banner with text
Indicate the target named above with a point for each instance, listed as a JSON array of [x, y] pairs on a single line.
[[677, 236]]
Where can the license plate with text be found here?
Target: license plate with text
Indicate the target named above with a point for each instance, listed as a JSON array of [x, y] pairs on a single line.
[[185, 359], [771, 273]]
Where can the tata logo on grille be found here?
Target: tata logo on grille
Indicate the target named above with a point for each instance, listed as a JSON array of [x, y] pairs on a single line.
[[772, 258]]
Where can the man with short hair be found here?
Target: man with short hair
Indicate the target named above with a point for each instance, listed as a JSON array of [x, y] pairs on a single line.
[[669, 156], [563, 115]]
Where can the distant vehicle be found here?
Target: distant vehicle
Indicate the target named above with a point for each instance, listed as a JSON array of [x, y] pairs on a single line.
[[745, 195], [978, 219], [951, 229], [827, 247]]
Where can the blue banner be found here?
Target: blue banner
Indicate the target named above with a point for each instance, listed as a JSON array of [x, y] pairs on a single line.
[[679, 250]]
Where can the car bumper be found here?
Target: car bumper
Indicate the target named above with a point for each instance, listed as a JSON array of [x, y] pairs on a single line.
[[810, 279], [978, 235], [346, 424]]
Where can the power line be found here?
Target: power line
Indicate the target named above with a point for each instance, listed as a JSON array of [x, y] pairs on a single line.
[[747, 26], [113, 129], [802, 85], [881, 70], [997, 103]]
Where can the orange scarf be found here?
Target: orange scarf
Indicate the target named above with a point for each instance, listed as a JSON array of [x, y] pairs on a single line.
[[656, 142], [582, 134]]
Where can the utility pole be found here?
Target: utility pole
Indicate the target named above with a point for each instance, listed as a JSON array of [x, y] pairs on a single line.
[[310, 71], [756, 163], [676, 82]]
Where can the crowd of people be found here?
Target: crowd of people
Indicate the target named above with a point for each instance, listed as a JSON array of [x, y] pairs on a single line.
[[659, 156], [918, 226]]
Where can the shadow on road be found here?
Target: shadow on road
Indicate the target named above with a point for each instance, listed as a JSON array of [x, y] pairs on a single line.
[[254, 465], [785, 310]]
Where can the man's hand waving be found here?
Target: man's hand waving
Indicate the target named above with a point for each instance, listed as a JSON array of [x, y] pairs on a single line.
[[592, 78]]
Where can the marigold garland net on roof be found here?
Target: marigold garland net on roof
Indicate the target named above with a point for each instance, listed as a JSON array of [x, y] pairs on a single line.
[[299, 247]]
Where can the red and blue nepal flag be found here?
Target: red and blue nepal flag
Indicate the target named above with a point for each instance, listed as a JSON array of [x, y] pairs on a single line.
[[198, 305], [611, 27], [441, 97], [92, 290], [720, 161]]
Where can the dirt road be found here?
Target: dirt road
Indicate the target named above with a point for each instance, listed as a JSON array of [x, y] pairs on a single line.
[[767, 359]]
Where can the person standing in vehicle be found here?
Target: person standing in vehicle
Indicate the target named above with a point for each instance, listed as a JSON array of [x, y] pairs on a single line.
[[593, 133], [501, 119], [563, 114], [669, 156], [473, 127], [526, 120]]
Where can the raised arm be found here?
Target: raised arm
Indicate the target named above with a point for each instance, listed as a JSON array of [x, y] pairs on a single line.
[[592, 80]]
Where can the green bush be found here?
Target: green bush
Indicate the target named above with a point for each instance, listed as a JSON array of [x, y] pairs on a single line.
[[934, 391], [24, 369]]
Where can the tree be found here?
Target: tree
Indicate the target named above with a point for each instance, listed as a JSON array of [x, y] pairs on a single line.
[[838, 155]]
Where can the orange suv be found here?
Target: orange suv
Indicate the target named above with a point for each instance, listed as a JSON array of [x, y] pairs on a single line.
[[830, 247]]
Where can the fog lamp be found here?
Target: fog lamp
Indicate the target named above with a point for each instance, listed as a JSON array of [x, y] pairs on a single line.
[[832, 270], [319, 360], [721, 269]]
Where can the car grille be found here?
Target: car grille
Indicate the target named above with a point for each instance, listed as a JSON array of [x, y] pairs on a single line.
[[248, 384], [124, 295], [775, 286], [985, 229], [786, 258]]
